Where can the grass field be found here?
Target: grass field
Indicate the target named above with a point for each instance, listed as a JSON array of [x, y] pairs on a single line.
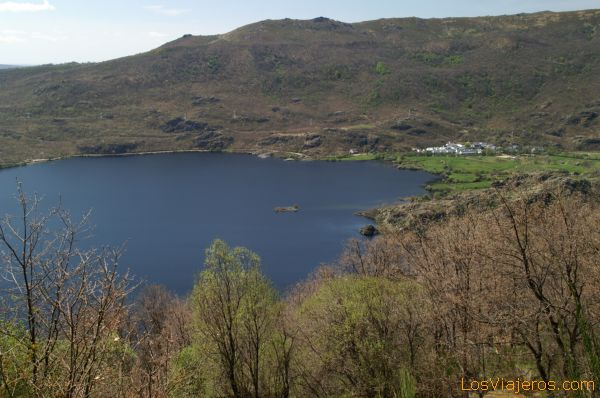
[[356, 157], [460, 173], [475, 172]]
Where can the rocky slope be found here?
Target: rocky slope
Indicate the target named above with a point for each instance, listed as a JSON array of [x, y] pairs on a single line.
[[421, 212], [321, 87]]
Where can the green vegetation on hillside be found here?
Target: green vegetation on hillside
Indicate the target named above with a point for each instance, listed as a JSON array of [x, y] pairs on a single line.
[[274, 85], [461, 173]]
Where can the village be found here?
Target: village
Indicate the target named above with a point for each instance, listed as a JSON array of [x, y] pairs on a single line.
[[476, 148], [452, 148]]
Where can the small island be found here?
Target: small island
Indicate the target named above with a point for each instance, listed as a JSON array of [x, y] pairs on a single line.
[[287, 209]]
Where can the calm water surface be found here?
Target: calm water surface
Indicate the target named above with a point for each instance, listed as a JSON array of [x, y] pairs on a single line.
[[168, 208]]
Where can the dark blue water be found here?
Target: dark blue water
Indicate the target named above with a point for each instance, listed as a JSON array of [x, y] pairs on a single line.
[[168, 208]]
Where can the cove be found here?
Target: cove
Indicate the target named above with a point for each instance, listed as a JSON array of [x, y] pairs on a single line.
[[167, 208]]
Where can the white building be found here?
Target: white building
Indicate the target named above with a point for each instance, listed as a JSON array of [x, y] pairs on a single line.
[[452, 148]]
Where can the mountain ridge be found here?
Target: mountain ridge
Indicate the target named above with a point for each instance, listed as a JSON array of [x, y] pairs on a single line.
[[320, 87]]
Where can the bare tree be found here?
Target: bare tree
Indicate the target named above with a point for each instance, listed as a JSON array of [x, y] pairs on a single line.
[[516, 284], [71, 300], [158, 328], [552, 251]]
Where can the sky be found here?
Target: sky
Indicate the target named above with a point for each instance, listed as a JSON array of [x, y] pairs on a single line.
[[36, 32]]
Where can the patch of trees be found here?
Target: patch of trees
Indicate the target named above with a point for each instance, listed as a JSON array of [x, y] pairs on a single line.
[[512, 292]]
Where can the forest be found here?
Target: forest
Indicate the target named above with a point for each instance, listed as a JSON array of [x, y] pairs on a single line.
[[510, 292]]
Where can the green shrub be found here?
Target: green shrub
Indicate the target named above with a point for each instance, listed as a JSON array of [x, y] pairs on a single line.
[[381, 69], [454, 60]]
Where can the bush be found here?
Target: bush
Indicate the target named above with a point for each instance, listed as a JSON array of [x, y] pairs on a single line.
[[381, 69]]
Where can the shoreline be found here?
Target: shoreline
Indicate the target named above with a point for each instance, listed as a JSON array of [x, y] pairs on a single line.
[[104, 155], [283, 156], [30, 162], [377, 158]]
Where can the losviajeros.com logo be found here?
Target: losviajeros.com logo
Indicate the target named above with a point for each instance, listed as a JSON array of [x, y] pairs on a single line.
[[519, 385]]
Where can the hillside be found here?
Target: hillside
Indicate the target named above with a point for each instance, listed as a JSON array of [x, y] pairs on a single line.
[[422, 212], [320, 87]]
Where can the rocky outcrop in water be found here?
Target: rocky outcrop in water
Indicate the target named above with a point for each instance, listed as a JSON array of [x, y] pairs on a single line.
[[287, 209]]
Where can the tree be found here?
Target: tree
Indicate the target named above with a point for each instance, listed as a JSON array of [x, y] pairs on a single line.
[[235, 306], [68, 300], [512, 285], [354, 333], [158, 330], [552, 251]]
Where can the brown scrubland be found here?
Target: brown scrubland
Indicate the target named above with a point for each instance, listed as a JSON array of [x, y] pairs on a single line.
[[510, 291]]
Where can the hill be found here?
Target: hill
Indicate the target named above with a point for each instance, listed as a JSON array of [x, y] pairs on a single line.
[[320, 87]]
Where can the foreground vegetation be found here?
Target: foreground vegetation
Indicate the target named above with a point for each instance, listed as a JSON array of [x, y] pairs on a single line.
[[508, 292]]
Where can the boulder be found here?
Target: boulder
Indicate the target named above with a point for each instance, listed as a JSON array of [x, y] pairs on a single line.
[[181, 125], [589, 144], [369, 231], [251, 119], [287, 209], [585, 118], [312, 142], [417, 132], [556, 132], [199, 100], [356, 139], [275, 139], [588, 117], [401, 126], [213, 141]]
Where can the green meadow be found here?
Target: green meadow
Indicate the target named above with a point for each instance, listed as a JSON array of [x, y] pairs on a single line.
[[460, 173]]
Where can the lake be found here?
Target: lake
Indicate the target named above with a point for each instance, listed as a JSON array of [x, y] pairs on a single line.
[[167, 208]]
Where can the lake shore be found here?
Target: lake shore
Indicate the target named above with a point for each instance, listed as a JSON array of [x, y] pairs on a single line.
[[276, 154], [145, 200]]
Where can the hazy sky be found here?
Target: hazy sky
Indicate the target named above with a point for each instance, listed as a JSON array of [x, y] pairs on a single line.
[[55, 31]]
